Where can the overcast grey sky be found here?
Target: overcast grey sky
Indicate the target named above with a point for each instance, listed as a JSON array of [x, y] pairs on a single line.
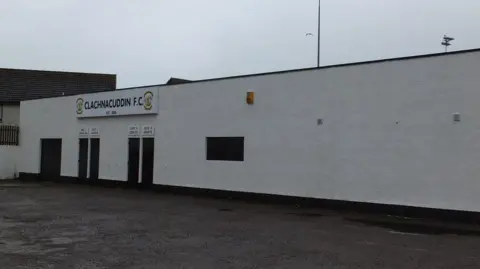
[[147, 41]]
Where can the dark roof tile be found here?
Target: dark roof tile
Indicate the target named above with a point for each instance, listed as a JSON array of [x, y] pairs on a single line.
[[19, 85], [175, 81]]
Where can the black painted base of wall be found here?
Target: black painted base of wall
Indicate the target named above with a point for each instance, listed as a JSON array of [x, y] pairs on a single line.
[[358, 207]]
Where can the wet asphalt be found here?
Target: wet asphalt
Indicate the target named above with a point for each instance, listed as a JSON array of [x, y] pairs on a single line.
[[72, 226]]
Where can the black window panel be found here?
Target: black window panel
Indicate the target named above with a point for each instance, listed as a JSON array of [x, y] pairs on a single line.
[[148, 161], [133, 160], [225, 148], [50, 158], [82, 158], [94, 158]]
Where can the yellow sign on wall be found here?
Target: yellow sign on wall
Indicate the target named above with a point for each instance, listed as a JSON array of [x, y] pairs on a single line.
[[250, 97]]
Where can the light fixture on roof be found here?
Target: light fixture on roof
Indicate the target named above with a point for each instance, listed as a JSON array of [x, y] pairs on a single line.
[[446, 41]]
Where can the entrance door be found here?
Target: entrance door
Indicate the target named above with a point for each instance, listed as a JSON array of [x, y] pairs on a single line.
[[133, 160], [50, 159], [94, 158], [82, 158], [147, 161]]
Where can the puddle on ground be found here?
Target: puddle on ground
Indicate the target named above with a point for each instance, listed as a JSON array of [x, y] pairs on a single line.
[[39, 246], [304, 214], [18, 185], [418, 228], [25, 218], [21, 247]]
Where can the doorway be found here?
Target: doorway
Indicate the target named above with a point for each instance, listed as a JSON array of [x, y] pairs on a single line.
[[133, 160], [82, 158], [94, 158], [50, 158], [148, 161]]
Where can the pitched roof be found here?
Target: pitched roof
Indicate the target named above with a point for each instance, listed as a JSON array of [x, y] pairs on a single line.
[[18, 85], [174, 81]]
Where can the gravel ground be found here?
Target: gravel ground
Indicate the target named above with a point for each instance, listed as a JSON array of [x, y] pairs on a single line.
[[71, 226]]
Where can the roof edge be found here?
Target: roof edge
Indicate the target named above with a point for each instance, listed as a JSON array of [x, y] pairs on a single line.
[[55, 71], [315, 68]]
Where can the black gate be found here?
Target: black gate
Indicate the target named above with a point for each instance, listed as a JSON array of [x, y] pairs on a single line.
[[94, 158], [148, 161], [133, 160], [82, 158], [51, 159]]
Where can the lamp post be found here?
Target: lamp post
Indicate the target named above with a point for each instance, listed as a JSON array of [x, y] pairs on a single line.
[[446, 41], [318, 36]]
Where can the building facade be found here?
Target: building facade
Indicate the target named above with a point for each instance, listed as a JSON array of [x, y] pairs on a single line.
[[402, 132]]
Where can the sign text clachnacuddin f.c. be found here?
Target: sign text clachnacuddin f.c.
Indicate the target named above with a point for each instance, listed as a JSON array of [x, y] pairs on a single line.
[[116, 104]]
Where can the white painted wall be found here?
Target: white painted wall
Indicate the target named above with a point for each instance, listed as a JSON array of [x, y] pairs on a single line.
[[358, 154], [11, 114], [8, 162]]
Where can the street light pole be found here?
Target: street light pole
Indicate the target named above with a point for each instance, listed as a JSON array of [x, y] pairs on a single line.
[[446, 41], [318, 36]]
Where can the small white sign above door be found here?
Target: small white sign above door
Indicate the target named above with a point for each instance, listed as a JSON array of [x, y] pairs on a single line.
[[133, 130], [94, 131], [83, 132], [148, 131]]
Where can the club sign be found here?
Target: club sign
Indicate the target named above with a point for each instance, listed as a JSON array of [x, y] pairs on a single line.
[[117, 103]]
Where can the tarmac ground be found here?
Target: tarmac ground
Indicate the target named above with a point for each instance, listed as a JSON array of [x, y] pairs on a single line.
[[73, 226]]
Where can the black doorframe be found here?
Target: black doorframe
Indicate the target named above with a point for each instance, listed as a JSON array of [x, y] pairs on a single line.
[[50, 158], [148, 152], [94, 158], [133, 160], [82, 159]]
